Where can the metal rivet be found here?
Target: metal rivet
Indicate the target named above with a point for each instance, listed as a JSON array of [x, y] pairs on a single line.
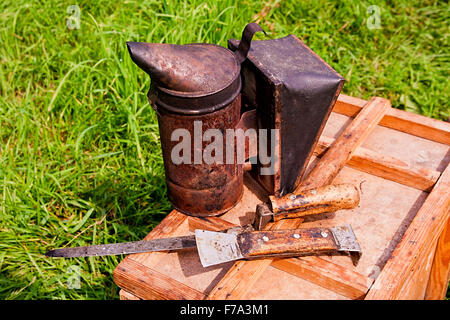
[[265, 238], [296, 236], [324, 234]]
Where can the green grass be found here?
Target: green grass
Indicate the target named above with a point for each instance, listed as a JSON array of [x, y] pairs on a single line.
[[80, 159]]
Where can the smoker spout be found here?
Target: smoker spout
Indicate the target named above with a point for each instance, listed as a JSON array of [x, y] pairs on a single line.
[[149, 58]]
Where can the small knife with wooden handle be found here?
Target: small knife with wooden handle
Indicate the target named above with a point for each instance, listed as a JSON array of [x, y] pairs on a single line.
[[219, 247], [329, 198]]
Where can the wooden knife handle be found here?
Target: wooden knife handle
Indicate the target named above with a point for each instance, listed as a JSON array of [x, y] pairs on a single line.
[[329, 198], [286, 243]]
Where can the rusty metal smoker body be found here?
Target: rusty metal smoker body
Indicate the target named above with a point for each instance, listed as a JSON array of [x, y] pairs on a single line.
[[197, 84], [201, 189]]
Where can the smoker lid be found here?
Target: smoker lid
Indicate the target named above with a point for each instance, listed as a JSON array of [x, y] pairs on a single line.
[[195, 78], [187, 70]]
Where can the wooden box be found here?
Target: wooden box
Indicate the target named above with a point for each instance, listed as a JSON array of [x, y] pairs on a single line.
[[402, 225]]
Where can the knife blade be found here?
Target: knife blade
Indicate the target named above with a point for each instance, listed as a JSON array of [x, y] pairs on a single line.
[[164, 244], [219, 247]]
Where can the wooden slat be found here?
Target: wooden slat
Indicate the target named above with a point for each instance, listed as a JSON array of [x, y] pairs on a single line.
[[147, 283], [125, 295], [386, 167], [426, 225], [232, 285], [168, 226], [238, 281], [440, 271], [345, 145], [400, 120], [348, 105], [416, 283], [209, 223], [327, 274]]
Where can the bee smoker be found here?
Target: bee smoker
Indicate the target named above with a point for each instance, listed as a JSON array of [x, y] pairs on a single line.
[[198, 87]]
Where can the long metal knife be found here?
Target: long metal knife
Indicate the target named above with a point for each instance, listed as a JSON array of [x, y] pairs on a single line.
[[219, 247], [165, 244]]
